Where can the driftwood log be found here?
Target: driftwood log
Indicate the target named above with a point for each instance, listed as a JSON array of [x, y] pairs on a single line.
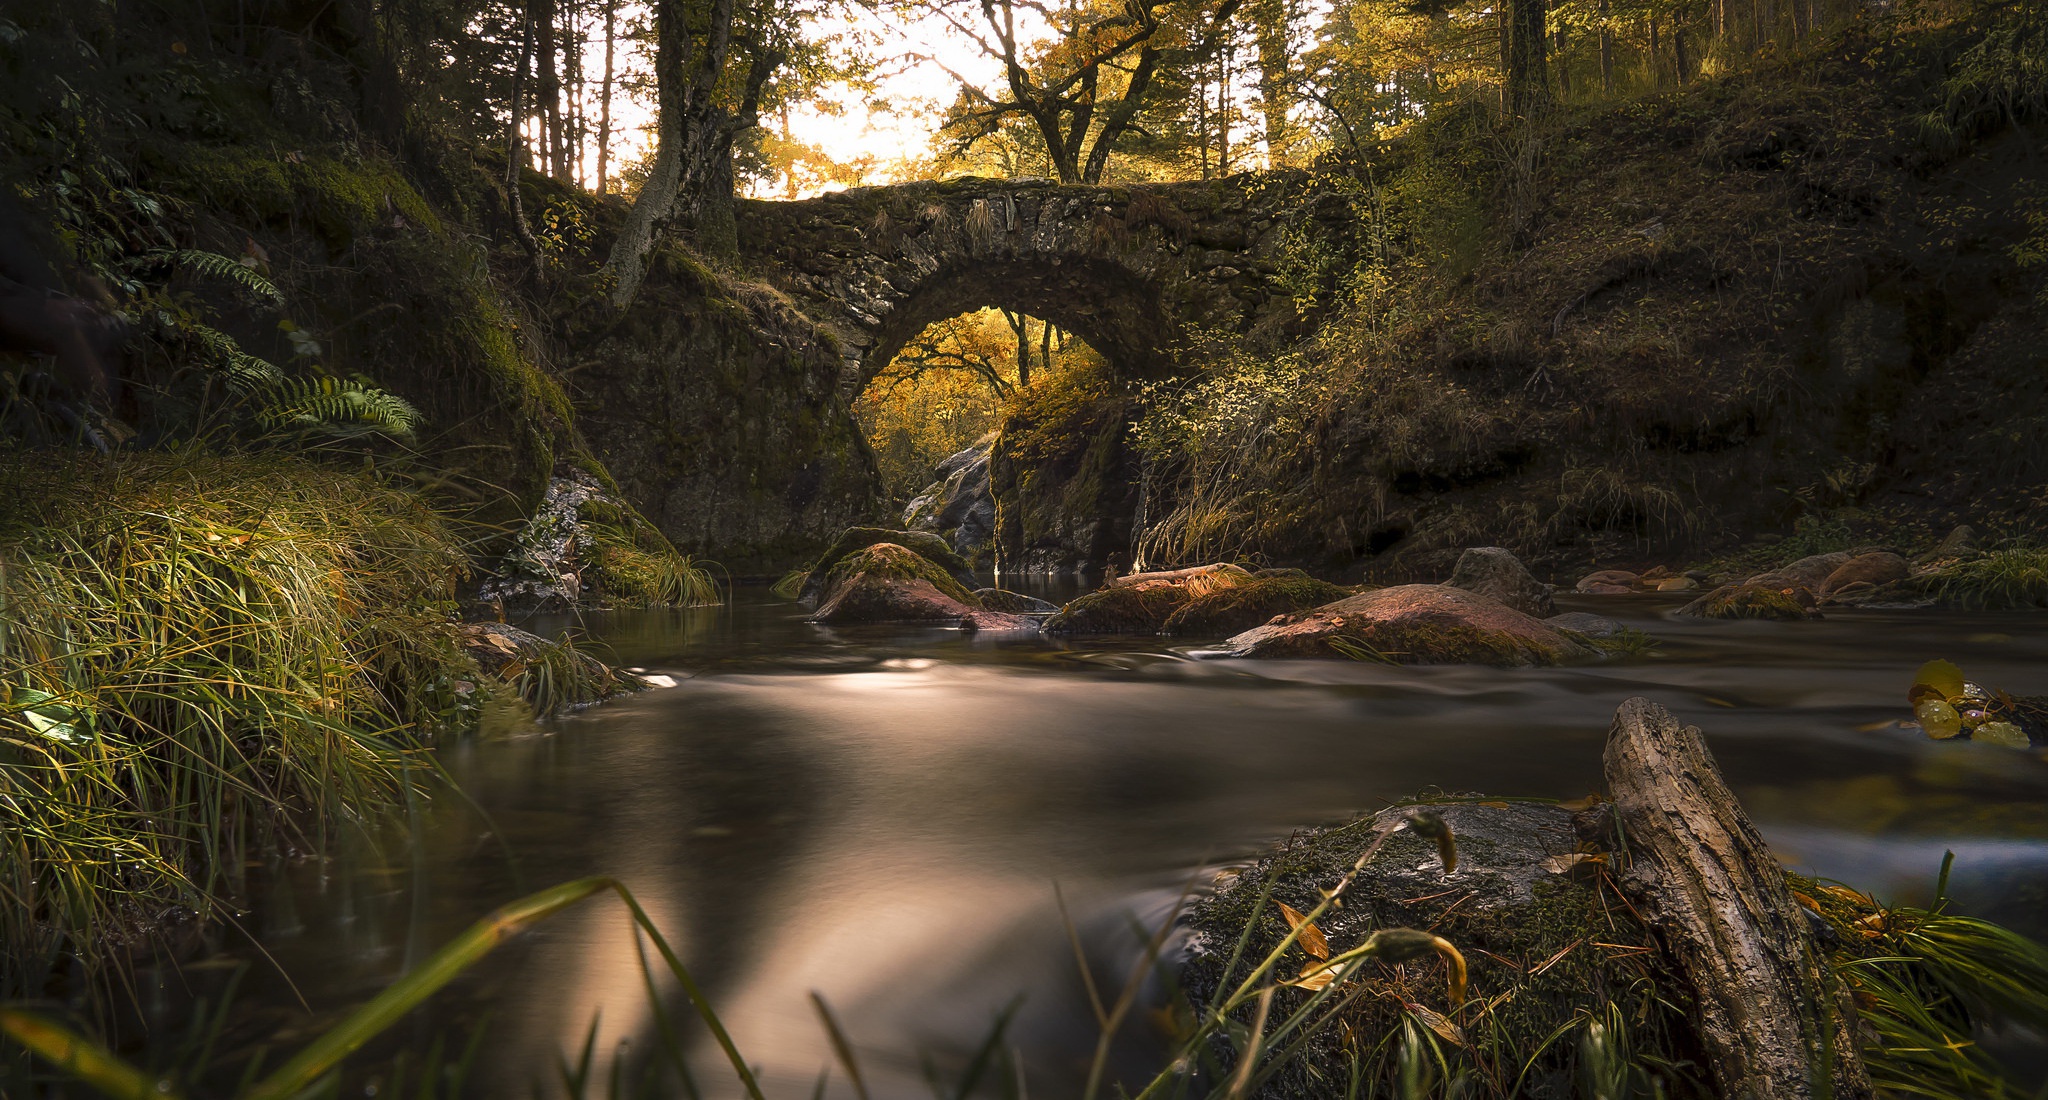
[[1775, 1021]]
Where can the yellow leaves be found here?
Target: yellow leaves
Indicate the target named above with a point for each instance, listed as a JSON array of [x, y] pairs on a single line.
[[1311, 938], [1315, 976], [1437, 1022], [1580, 805]]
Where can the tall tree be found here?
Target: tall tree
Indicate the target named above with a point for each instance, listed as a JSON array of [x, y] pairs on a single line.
[[1084, 91], [699, 117]]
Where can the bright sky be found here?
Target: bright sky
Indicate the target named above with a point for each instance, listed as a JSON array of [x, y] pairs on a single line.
[[892, 123]]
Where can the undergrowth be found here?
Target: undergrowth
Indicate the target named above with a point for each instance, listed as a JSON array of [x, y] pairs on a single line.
[[205, 662]]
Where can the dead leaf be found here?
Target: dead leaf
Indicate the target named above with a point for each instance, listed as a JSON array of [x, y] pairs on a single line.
[[1853, 897], [1315, 976], [1579, 805], [1495, 805], [1311, 939], [1437, 1022], [1558, 865]]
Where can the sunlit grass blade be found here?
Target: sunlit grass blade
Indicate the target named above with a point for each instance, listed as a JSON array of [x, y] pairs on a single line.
[[81, 1057]]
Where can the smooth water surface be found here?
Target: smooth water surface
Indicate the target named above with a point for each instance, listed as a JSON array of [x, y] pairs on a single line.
[[883, 816]]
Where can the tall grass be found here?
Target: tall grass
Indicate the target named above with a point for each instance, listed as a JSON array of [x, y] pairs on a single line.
[[203, 661]]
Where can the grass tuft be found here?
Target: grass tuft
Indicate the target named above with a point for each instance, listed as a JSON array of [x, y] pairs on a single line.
[[205, 661]]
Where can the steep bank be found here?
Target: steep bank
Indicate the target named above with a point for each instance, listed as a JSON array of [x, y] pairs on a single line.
[[1793, 297]]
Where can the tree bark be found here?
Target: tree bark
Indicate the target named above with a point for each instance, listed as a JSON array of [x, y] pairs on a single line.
[[1606, 52], [515, 139], [1528, 63], [1775, 1021], [604, 106], [547, 85], [1270, 25]]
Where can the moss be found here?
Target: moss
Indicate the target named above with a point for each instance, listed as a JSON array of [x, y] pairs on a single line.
[[340, 198], [2000, 580], [888, 561], [1251, 603], [1536, 974], [1123, 609], [1746, 601], [922, 543]]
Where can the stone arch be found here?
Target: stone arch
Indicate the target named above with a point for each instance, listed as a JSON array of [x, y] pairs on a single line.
[[1118, 313]]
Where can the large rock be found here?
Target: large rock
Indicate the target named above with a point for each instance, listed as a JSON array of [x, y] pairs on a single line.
[[958, 505], [1748, 601], [1014, 603], [924, 544], [887, 583], [1524, 905], [1225, 611], [1872, 569], [1808, 572], [1141, 603], [1412, 624], [1496, 573]]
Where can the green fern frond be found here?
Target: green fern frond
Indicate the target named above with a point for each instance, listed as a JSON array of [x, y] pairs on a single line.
[[227, 269], [243, 373], [338, 406]]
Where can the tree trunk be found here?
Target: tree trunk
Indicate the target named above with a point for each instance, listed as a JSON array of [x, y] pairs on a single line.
[[658, 193], [604, 106], [1606, 52], [1528, 65], [1276, 97], [548, 86], [1656, 55], [1564, 71], [1773, 1018], [1678, 51], [515, 139]]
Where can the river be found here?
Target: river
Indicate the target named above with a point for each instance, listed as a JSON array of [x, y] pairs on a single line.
[[884, 817]]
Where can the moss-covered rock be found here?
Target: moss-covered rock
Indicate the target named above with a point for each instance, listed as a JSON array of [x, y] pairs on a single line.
[[887, 583], [1014, 603], [930, 547], [1239, 607], [1065, 482], [1548, 945], [1412, 624], [1143, 602], [1748, 601]]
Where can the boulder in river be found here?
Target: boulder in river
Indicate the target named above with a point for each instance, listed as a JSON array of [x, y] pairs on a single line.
[[1607, 582], [1495, 572], [1014, 603], [1586, 623], [958, 505], [924, 544], [1681, 963], [887, 583], [1875, 569], [1808, 572], [1412, 624], [1142, 602], [1749, 601], [1239, 607]]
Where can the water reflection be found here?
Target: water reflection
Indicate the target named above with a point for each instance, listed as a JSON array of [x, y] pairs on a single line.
[[881, 815]]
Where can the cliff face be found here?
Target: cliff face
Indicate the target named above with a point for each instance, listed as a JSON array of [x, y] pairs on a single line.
[[715, 406]]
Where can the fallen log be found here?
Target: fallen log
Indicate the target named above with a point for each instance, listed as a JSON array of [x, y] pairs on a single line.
[[1773, 1018]]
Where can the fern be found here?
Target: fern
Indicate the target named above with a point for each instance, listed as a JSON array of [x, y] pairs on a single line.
[[244, 374], [213, 265], [337, 406]]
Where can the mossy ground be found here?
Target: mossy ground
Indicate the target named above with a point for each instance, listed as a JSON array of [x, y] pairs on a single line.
[[1537, 976], [1428, 643]]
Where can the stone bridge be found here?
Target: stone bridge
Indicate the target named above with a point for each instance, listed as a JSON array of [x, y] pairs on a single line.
[[1126, 268]]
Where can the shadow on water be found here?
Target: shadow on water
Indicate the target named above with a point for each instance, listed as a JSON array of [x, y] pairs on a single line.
[[881, 816]]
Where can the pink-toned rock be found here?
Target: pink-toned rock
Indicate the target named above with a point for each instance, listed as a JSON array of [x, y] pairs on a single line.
[[1807, 572], [1871, 569], [1607, 582], [1411, 624], [886, 583], [1676, 584]]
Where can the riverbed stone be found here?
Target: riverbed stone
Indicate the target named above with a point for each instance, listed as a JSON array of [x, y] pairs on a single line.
[[1586, 623], [1750, 601], [1495, 572], [1808, 572], [887, 583], [1239, 607], [924, 544], [1141, 603], [1014, 603], [1607, 582], [1411, 624], [1871, 569]]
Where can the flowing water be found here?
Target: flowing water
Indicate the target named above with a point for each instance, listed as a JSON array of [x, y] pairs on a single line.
[[890, 817]]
